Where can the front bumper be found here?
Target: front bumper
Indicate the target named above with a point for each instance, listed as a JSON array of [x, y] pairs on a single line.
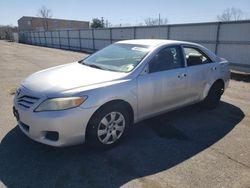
[[69, 125]]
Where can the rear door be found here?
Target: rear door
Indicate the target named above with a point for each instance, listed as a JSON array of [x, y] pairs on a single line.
[[201, 70], [165, 85]]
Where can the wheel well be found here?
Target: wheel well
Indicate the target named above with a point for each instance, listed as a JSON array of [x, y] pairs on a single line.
[[118, 102], [221, 83]]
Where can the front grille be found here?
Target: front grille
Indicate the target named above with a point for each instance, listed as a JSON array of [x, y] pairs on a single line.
[[25, 100]]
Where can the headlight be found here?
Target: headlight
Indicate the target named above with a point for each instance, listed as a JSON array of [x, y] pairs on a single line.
[[60, 103]]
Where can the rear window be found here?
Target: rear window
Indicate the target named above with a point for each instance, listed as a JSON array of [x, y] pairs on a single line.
[[195, 56]]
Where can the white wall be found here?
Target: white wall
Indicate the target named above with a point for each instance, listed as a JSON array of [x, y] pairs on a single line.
[[230, 40]]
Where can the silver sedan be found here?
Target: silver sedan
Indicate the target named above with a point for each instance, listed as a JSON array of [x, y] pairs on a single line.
[[97, 99]]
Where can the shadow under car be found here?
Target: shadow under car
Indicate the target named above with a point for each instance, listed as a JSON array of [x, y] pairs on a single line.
[[152, 146]]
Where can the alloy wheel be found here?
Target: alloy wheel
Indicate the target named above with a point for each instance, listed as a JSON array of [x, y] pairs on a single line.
[[111, 127]]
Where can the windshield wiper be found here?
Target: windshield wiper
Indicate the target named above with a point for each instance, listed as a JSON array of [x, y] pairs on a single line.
[[95, 66], [98, 67], [92, 65]]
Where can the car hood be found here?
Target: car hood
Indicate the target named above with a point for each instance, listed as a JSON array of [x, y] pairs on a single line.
[[68, 76]]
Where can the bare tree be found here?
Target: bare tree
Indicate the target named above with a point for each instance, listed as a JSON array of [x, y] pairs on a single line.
[[231, 14], [45, 13], [155, 21], [151, 21]]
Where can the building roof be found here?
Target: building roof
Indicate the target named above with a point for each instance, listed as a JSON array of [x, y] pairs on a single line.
[[33, 17]]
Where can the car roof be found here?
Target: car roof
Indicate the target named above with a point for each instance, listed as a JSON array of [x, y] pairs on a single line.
[[154, 42]]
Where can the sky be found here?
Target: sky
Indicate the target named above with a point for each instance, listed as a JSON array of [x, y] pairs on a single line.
[[122, 12]]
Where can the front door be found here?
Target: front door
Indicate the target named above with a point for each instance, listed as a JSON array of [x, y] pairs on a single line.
[[164, 86]]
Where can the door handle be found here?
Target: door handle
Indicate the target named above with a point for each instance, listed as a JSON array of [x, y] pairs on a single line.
[[183, 75], [213, 68]]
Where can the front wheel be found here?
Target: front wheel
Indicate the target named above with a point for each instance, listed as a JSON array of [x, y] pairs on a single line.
[[107, 126], [213, 98]]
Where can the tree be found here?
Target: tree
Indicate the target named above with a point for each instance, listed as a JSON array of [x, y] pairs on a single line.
[[155, 21], [97, 23], [6, 32], [45, 13], [231, 14]]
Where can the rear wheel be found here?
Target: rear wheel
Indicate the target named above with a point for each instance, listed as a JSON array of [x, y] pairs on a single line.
[[213, 98], [108, 126]]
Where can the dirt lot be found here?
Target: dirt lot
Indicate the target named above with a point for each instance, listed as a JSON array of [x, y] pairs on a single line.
[[190, 147]]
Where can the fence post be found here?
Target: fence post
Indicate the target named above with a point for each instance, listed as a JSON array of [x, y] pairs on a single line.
[[45, 38], [30, 42], [52, 43], [169, 28], [93, 37], [68, 39], [59, 37], [27, 37], [134, 32], [39, 38], [159, 31], [110, 35], [30, 37], [34, 34], [217, 38], [80, 40]]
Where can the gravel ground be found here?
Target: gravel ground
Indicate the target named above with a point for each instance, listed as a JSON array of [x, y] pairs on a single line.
[[189, 147]]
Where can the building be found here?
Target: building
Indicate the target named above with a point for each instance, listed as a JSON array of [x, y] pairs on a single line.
[[27, 23]]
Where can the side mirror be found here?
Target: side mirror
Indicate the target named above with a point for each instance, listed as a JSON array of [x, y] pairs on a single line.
[[145, 70]]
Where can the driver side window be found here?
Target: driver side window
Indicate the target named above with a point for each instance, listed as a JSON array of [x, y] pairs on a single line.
[[167, 59]]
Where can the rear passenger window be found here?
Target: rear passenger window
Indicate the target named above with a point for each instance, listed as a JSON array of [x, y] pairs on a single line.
[[167, 59], [195, 56]]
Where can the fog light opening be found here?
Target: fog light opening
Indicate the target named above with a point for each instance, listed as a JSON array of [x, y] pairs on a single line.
[[52, 135]]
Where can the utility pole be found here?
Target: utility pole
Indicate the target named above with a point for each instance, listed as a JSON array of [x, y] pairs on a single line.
[[159, 19], [102, 20], [120, 22], [107, 24], [159, 28]]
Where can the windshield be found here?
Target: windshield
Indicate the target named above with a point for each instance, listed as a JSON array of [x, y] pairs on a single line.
[[117, 57]]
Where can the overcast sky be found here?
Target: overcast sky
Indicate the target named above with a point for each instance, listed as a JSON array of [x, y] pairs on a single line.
[[122, 11]]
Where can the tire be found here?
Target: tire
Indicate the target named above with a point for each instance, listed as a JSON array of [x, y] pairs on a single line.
[[213, 98], [107, 126]]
